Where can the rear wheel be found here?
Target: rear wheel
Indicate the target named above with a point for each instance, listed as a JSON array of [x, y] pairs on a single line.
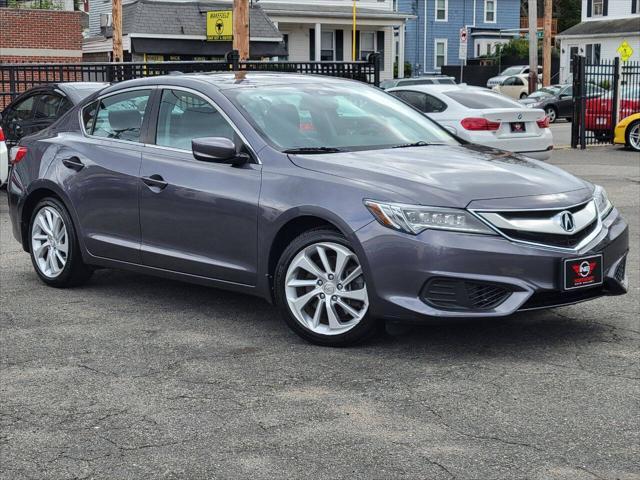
[[633, 136], [321, 290], [55, 253], [523, 95], [551, 113]]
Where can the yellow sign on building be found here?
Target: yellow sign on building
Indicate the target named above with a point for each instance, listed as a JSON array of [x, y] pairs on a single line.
[[625, 51], [220, 26]]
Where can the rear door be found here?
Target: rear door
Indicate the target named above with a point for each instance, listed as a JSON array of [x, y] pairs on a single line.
[[197, 217], [101, 168]]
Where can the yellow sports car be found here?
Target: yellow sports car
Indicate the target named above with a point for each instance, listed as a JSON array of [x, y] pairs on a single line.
[[627, 132]]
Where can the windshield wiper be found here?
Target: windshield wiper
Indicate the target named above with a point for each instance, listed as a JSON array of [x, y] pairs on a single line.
[[421, 143], [311, 150]]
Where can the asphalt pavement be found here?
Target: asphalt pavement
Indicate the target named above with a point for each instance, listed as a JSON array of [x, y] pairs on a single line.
[[137, 377]]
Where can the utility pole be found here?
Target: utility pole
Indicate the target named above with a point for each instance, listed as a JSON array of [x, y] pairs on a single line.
[[546, 43], [533, 45], [241, 28], [116, 25]]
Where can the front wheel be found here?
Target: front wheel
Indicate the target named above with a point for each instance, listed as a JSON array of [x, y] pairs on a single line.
[[54, 248], [633, 136], [321, 291]]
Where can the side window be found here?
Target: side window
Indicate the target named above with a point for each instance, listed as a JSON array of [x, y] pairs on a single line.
[[509, 82], [518, 81], [46, 108], [120, 116], [89, 117], [415, 99], [184, 116], [433, 105], [22, 111]]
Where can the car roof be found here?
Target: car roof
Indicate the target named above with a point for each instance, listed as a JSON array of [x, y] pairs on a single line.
[[229, 80]]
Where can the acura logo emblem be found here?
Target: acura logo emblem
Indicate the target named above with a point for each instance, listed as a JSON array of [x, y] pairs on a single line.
[[567, 222]]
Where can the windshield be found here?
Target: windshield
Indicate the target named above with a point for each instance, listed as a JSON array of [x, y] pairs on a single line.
[[545, 92], [512, 71], [347, 116], [479, 100]]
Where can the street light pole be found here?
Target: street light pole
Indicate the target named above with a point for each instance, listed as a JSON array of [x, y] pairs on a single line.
[[533, 45]]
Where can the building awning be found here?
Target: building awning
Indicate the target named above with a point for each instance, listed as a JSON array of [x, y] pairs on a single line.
[[164, 46]]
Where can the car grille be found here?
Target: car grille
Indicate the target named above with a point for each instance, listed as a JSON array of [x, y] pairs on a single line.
[[463, 295], [544, 227], [555, 240]]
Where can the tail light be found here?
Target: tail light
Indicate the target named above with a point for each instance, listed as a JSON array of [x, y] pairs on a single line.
[[479, 124], [543, 123], [1, 135], [21, 152]]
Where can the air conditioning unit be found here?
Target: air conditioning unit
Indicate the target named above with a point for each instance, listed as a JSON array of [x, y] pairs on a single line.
[[106, 20]]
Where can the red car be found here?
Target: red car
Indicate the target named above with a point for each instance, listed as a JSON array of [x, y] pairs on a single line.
[[597, 117]]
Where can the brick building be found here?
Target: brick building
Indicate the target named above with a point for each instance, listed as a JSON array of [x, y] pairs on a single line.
[[39, 36]]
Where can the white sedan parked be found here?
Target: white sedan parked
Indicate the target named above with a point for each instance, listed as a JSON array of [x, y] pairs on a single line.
[[484, 117]]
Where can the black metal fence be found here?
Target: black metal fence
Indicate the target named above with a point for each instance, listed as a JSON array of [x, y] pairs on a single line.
[[603, 94], [16, 78]]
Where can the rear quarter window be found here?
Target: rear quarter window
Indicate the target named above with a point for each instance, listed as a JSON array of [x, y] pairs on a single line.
[[481, 100]]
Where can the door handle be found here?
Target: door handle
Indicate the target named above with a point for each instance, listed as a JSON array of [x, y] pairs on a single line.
[[155, 181], [73, 163]]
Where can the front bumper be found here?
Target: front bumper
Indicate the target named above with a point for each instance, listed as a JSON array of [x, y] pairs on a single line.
[[398, 267]]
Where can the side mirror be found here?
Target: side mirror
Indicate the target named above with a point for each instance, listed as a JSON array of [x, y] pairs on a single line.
[[217, 150]]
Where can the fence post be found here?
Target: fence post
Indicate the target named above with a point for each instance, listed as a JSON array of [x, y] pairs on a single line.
[[583, 103], [615, 101], [576, 119], [12, 83], [374, 59], [233, 60]]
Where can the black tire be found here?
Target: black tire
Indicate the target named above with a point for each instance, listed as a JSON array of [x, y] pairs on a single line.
[[627, 138], [75, 272], [523, 95], [569, 119], [367, 327]]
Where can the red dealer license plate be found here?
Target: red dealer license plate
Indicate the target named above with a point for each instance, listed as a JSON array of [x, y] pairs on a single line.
[[582, 272]]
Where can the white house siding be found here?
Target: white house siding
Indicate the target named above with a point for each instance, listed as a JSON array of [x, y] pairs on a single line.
[[608, 50], [97, 7], [616, 9]]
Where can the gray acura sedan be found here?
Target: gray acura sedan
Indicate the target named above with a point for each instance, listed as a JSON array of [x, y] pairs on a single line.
[[335, 200]]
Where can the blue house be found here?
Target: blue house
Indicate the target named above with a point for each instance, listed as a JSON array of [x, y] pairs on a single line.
[[432, 39]]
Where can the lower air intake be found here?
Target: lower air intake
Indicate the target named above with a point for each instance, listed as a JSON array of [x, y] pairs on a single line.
[[463, 295], [620, 270]]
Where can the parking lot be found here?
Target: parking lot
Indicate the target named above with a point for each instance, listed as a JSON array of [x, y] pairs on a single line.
[[139, 377]]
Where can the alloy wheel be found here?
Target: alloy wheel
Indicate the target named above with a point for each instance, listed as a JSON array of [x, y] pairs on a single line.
[[551, 114], [325, 288], [49, 242], [634, 136]]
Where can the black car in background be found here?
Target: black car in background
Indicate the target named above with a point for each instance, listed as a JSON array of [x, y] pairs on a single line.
[[557, 100], [39, 107]]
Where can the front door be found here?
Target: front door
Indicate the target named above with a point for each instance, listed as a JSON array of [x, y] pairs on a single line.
[[197, 217], [101, 174]]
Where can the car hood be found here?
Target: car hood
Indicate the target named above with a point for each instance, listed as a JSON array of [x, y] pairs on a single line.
[[451, 176]]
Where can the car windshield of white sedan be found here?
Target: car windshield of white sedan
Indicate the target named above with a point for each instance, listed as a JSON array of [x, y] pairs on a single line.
[[334, 118], [512, 71]]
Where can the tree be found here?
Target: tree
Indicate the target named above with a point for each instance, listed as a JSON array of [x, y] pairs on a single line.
[[566, 11]]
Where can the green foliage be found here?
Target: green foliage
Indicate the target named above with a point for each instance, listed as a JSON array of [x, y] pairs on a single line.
[[408, 70], [567, 12], [35, 4]]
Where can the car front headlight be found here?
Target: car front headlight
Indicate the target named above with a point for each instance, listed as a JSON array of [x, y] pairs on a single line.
[[414, 219], [602, 201]]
